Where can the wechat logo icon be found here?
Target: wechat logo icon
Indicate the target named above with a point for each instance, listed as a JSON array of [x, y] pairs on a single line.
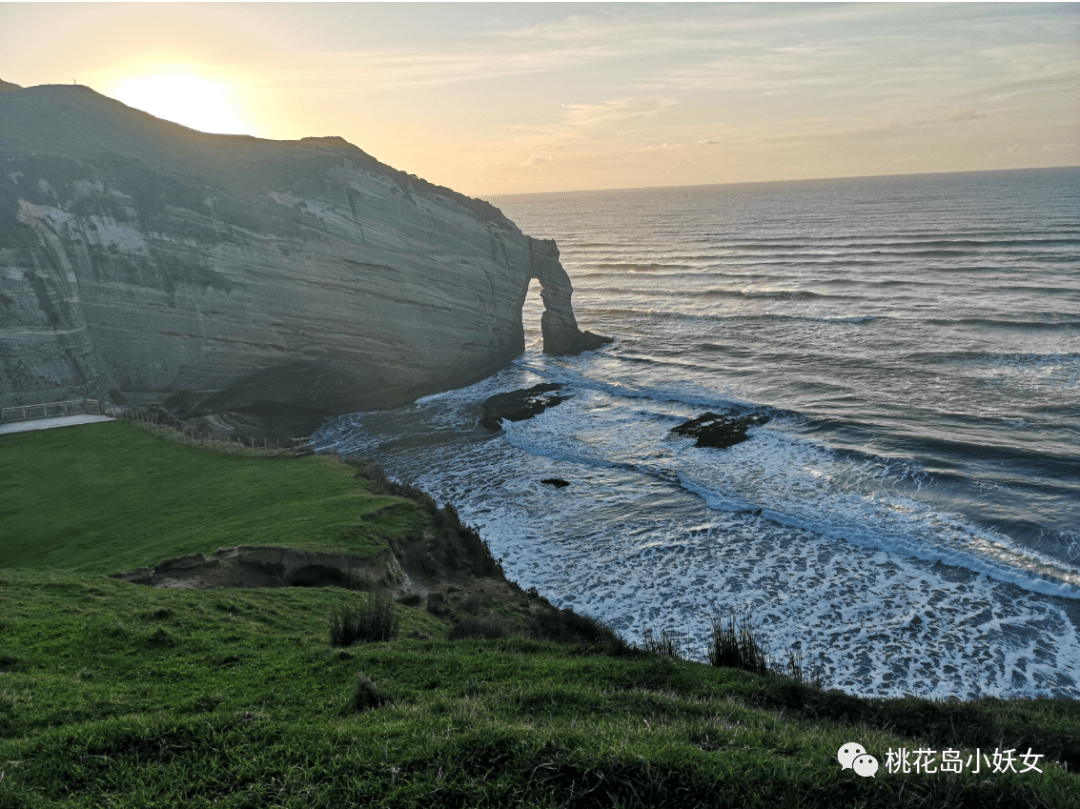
[[854, 756]]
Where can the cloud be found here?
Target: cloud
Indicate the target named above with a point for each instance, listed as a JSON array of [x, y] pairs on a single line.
[[586, 42], [1057, 147], [953, 117], [1047, 79], [616, 114], [538, 160], [667, 145]]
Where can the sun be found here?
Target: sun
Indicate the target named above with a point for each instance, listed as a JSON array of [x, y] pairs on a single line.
[[183, 98]]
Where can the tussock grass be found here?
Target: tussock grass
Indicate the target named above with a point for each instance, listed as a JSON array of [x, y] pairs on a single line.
[[487, 627], [367, 696], [667, 645], [735, 644], [374, 622], [566, 626]]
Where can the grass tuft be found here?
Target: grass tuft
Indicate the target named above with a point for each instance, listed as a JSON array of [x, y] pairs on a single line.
[[366, 696], [372, 623], [735, 645], [667, 645], [489, 627]]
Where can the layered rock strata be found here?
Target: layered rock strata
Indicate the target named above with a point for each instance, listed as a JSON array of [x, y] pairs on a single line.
[[141, 261]]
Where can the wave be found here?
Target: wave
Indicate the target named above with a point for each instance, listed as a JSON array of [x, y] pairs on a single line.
[[850, 496], [906, 528], [586, 312], [632, 267], [616, 311], [1050, 322], [1043, 470], [779, 294], [810, 253], [995, 358], [846, 243], [857, 319], [685, 393], [654, 254]]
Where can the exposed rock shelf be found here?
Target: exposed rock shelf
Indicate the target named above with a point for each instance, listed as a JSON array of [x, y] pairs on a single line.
[[149, 262], [720, 431], [519, 405]]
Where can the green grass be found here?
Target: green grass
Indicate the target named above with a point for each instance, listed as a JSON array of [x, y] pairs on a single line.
[[376, 620], [125, 696], [110, 497], [118, 695]]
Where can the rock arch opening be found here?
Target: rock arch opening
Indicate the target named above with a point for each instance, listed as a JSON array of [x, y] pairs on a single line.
[[532, 310], [558, 326]]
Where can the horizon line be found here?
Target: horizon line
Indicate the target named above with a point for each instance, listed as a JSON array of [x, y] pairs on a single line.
[[764, 182]]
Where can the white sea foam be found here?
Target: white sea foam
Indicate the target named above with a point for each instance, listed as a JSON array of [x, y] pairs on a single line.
[[909, 512], [879, 623]]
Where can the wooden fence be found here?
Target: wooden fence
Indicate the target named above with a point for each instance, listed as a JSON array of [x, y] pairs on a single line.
[[50, 410], [296, 447]]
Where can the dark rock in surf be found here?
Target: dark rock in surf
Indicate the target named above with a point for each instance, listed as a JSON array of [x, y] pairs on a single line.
[[519, 405], [558, 483], [719, 432]]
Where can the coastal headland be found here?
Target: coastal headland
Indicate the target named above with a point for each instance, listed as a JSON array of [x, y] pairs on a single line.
[[181, 626], [242, 280]]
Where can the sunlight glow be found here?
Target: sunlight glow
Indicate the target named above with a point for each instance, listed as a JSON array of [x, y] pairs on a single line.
[[182, 98]]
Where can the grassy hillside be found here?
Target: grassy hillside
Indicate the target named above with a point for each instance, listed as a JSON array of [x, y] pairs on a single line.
[[107, 497], [113, 694]]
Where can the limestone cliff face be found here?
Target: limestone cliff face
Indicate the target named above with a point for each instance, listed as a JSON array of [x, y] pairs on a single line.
[[217, 272]]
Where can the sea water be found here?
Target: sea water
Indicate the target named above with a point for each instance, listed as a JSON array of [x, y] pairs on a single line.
[[909, 516]]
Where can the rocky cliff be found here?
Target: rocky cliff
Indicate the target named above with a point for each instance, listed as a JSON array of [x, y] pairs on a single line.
[[146, 262]]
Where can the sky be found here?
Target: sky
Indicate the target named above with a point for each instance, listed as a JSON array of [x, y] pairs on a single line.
[[494, 98]]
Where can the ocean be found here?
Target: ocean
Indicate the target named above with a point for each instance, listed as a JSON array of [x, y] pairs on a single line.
[[908, 517]]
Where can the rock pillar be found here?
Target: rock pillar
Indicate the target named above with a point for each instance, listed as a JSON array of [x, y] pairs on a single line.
[[558, 325]]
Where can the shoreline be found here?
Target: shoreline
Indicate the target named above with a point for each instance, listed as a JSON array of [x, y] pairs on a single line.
[[611, 577]]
